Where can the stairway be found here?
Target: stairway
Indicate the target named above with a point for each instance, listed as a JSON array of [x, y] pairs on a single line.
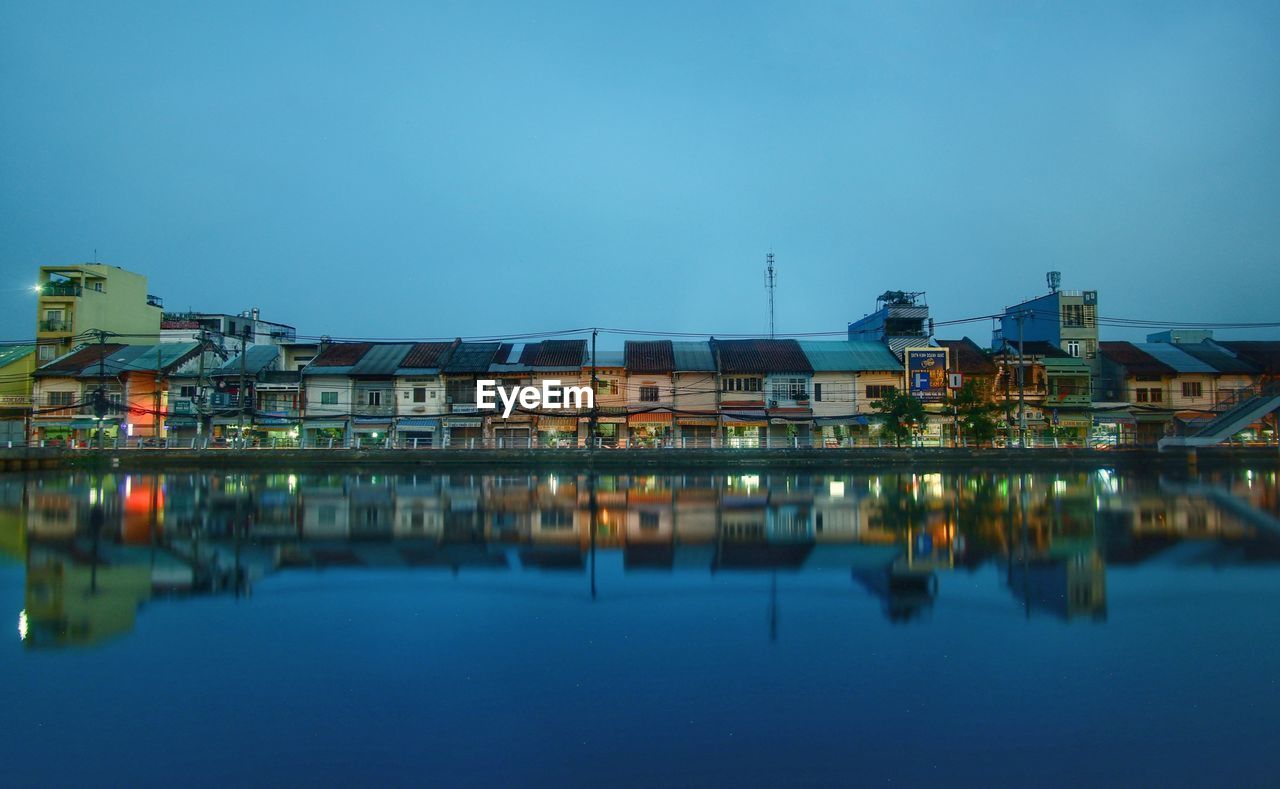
[[1247, 407]]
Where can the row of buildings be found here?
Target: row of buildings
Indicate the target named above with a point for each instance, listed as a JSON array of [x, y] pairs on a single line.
[[99, 372]]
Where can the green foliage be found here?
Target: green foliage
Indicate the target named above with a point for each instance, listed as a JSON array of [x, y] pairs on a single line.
[[974, 412], [903, 415]]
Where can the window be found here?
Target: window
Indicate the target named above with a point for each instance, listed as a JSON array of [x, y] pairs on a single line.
[[373, 398], [1148, 395], [880, 391], [649, 394], [1140, 395], [1157, 395], [419, 394], [1191, 389], [817, 392], [328, 398], [1090, 349], [1073, 348], [1073, 315], [741, 385], [46, 352], [60, 398], [186, 391], [606, 386], [790, 389]]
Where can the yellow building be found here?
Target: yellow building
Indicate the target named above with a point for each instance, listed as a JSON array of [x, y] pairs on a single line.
[[17, 362], [81, 298]]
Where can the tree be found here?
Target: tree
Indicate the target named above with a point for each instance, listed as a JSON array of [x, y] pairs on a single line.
[[903, 415], [975, 414]]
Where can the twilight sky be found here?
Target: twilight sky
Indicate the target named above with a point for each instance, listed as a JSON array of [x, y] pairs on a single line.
[[435, 168]]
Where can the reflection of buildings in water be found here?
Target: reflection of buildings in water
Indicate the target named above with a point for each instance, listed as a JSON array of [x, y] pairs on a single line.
[[1067, 587], [76, 605]]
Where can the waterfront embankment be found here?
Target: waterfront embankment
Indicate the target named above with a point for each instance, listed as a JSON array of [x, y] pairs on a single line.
[[33, 458]]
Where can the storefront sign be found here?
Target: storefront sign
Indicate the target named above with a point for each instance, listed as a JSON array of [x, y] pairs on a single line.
[[927, 373]]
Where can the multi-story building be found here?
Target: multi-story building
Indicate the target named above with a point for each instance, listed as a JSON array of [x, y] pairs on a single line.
[[420, 395], [1066, 319], [764, 392], [848, 375], [695, 394], [231, 332], [901, 320], [77, 300], [650, 392], [610, 400]]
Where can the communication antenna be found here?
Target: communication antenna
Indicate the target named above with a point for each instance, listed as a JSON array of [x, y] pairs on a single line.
[[770, 283], [1054, 278]]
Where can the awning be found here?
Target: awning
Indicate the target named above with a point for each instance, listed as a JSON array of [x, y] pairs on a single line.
[[795, 420], [558, 423], [652, 417], [418, 424], [605, 420], [740, 417], [832, 421], [274, 421], [49, 423], [699, 421], [323, 425], [1117, 417], [463, 421], [374, 421]]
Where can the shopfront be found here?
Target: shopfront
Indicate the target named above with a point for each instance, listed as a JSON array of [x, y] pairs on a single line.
[[744, 430], [515, 432], [461, 432], [371, 432], [558, 431], [832, 432], [611, 431], [324, 433], [696, 432], [417, 433], [649, 430]]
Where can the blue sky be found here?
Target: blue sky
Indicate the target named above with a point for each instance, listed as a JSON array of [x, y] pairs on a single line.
[[433, 169]]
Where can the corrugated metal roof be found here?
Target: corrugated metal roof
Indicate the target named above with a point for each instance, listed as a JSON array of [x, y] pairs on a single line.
[[170, 354], [14, 353], [648, 356], [692, 356], [471, 357], [76, 360], [382, 359], [1135, 360], [1218, 359], [1263, 354], [1178, 360], [848, 356], [761, 356], [257, 359], [610, 359]]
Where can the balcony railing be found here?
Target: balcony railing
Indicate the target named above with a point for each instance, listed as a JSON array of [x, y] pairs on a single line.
[[155, 301], [55, 325], [60, 289], [375, 410]]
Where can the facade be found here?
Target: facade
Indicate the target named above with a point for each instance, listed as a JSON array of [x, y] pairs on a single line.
[[17, 363], [650, 369], [1055, 392], [695, 394], [611, 401], [848, 375], [901, 321], [420, 395], [764, 392], [1066, 319], [231, 332], [76, 300]]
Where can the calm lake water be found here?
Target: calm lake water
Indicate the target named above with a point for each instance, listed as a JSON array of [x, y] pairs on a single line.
[[731, 629]]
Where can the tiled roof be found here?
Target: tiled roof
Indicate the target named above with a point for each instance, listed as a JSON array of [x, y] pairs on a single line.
[[849, 356], [75, 361], [425, 355], [761, 356], [968, 358], [170, 355], [555, 354], [341, 354], [1035, 348], [1134, 359], [1263, 354], [649, 356]]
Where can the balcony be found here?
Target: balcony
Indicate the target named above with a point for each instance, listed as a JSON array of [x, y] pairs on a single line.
[[60, 289], [155, 301], [55, 325], [374, 410]]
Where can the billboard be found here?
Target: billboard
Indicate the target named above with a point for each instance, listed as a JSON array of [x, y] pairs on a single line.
[[927, 373]]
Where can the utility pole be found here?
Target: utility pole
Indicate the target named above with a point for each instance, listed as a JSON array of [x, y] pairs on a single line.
[[199, 398], [1022, 414], [244, 337], [156, 416], [100, 399], [595, 401]]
